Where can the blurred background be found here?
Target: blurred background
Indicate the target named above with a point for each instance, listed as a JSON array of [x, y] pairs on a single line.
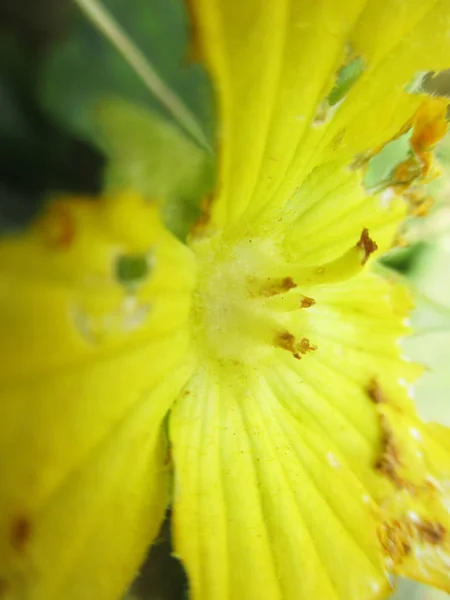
[[54, 64]]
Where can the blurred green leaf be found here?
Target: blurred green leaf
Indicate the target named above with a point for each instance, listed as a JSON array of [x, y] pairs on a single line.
[[37, 157], [149, 154], [86, 68], [403, 260]]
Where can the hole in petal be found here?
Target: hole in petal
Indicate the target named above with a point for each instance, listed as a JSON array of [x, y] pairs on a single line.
[[132, 269], [407, 160], [436, 83], [346, 77], [416, 85], [382, 166]]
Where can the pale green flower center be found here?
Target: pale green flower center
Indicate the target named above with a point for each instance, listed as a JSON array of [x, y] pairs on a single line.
[[246, 304]]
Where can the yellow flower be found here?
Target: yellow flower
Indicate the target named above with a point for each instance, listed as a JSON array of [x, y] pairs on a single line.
[[252, 377]]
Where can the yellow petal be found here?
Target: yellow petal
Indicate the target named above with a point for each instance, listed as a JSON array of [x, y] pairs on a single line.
[[263, 507], [286, 485], [280, 440], [274, 63], [330, 210], [415, 518], [86, 355]]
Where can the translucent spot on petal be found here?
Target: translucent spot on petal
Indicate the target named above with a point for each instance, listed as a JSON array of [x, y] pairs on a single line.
[[415, 433], [333, 461], [97, 327]]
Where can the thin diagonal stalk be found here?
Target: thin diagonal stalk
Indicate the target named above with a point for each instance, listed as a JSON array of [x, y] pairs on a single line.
[[106, 23]]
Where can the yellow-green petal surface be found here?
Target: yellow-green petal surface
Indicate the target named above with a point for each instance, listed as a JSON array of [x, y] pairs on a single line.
[[89, 367], [274, 62], [301, 468]]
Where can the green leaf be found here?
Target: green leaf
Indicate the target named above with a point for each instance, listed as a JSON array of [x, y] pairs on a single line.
[[151, 155], [403, 260], [86, 67]]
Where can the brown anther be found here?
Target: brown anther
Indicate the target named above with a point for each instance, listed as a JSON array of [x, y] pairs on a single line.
[[287, 284], [375, 392], [304, 346], [279, 286], [286, 341], [432, 533], [367, 244], [306, 302]]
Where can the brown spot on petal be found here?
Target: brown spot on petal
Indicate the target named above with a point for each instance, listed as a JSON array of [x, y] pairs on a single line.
[[367, 245], [4, 587], [395, 538], [432, 533], [375, 392], [20, 533], [58, 227], [389, 463], [200, 227]]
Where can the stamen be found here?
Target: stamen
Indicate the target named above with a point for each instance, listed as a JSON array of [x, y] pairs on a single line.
[[346, 266], [276, 287], [289, 301], [367, 245], [306, 302], [287, 341]]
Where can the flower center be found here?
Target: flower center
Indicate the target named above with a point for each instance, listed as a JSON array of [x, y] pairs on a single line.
[[251, 296], [246, 305]]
